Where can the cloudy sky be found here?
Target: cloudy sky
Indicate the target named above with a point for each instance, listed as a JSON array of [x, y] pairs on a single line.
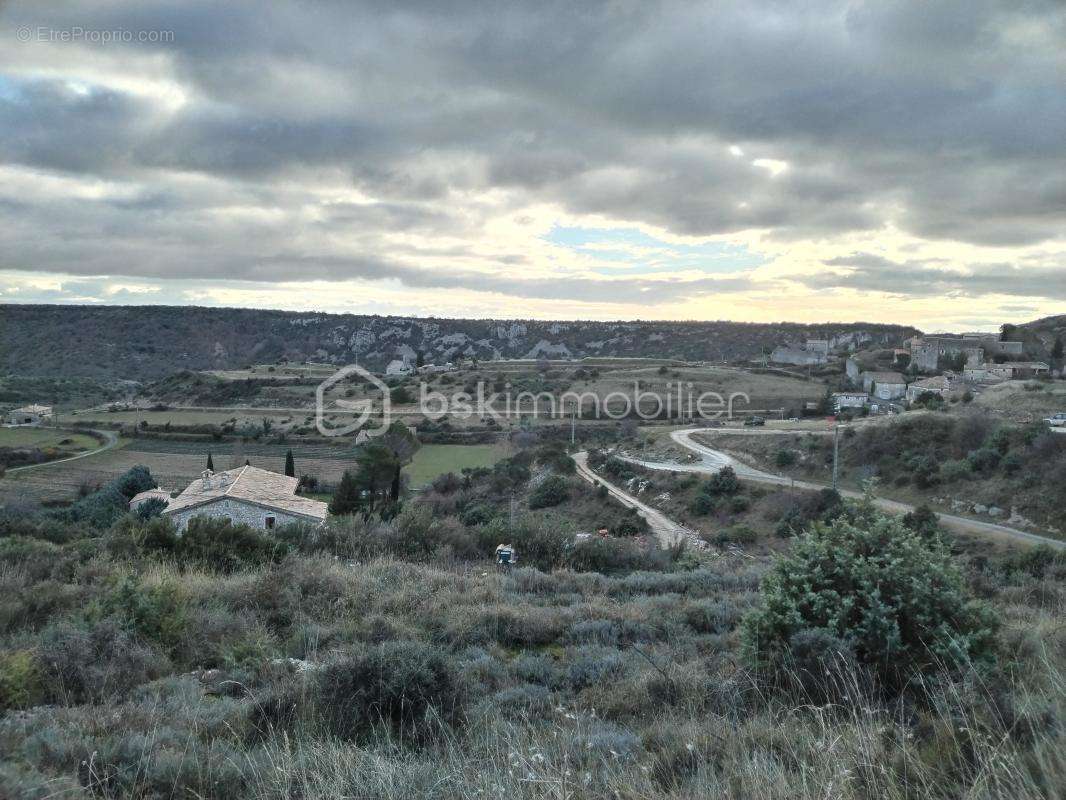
[[882, 160]]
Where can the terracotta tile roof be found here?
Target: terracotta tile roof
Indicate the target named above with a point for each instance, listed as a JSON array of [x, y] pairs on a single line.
[[251, 485]]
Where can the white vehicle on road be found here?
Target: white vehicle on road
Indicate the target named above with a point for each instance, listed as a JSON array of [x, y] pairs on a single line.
[[1057, 420]]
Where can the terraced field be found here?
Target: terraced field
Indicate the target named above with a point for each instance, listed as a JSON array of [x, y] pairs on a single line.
[[175, 464]]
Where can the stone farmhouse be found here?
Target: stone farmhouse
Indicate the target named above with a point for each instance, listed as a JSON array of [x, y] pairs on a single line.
[[249, 495], [30, 415]]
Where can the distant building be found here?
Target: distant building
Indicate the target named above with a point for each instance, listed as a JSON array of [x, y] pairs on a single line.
[[927, 351], [141, 498], [884, 385], [842, 400], [433, 368], [817, 346], [854, 370], [814, 351], [31, 415], [399, 367], [940, 385], [247, 495], [1010, 370]]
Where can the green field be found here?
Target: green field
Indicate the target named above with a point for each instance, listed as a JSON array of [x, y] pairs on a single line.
[[44, 438], [432, 460]]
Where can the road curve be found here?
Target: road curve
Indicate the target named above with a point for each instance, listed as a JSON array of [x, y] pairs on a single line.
[[110, 440], [668, 532], [712, 461]]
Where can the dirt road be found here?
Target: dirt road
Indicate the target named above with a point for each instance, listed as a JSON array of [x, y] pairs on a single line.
[[668, 531], [712, 461], [110, 440]]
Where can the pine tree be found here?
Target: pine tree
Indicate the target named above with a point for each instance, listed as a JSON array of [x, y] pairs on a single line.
[[210, 463], [346, 499], [290, 465]]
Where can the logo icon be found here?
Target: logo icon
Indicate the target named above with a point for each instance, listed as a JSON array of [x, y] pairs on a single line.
[[362, 408]]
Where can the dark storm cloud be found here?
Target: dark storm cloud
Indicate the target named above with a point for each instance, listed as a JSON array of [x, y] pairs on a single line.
[[947, 119], [921, 278]]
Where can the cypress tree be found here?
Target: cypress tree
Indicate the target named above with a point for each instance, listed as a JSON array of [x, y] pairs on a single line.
[[290, 465], [210, 463]]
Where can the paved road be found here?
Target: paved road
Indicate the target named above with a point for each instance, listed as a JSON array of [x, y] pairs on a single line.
[[712, 461], [668, 531], [110, 440]]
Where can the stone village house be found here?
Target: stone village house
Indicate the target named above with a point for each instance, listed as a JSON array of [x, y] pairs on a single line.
[[884, 385]]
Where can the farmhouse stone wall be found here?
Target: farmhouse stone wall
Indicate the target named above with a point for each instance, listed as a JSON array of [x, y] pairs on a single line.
[[237, 511]]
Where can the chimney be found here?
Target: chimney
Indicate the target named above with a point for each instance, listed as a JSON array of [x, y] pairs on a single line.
[[206, 477]]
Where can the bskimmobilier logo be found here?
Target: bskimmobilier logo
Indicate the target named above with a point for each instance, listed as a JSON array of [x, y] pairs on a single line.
[[363, 408], [338, 396]]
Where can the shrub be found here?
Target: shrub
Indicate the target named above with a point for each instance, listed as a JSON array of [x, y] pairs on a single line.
[[552, 491], [21, 685], [739, 504], [785, 458], [221, 545], [893, 597], [703, 505], [527, 701], [608, 556], [723, 482], [819, 666], [403, 685], [151, 508], [101, 508], [984, 460], [736, 534], [94, 664], [538, 543], [155, 612], [448, 483], [477, 514], [953, 471]]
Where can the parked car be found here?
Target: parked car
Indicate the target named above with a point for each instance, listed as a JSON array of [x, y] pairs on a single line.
[[752, 422], [1057, 420]]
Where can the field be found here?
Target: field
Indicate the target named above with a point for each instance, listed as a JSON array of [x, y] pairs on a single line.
[[432, 460], [287, 394], [44, 438], [175, 463]]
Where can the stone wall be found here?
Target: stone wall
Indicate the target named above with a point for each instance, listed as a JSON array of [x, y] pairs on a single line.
[[236, 511]]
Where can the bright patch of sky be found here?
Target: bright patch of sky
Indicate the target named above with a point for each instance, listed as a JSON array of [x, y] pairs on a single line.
[[9, 90], [631, 250]]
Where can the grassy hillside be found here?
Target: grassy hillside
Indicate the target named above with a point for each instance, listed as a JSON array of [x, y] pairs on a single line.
[[152, 342], [390, 660]]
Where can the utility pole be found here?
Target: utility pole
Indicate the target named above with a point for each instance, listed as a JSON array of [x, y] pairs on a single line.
[[836, 451]]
